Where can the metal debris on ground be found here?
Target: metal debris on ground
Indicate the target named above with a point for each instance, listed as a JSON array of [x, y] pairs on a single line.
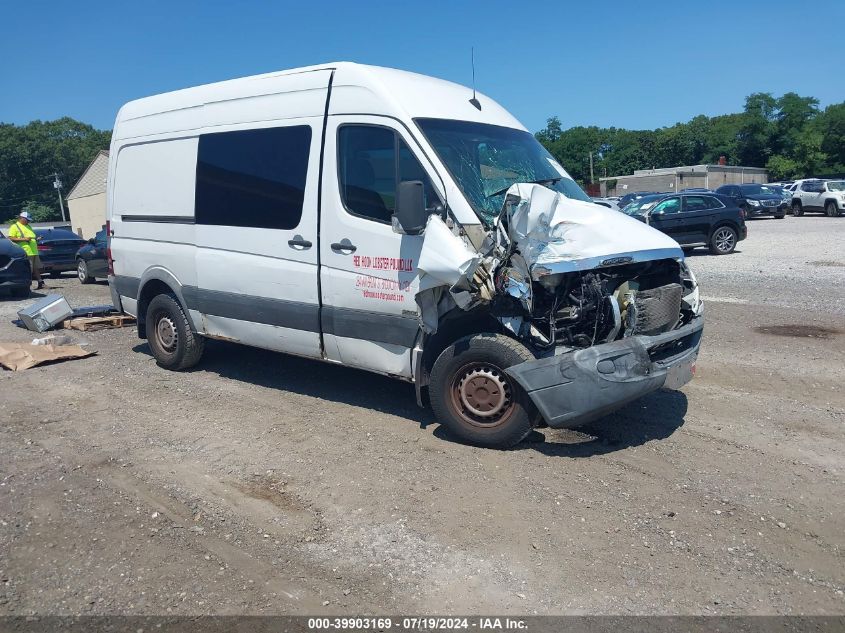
[[45, 313]]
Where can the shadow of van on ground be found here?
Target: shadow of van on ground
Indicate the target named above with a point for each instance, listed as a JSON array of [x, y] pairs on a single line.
[[654, 417]]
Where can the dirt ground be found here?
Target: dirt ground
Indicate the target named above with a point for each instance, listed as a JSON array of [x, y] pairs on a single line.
[[261, 483]]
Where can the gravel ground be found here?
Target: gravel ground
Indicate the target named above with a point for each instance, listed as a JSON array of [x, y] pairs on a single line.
[[262, 483]]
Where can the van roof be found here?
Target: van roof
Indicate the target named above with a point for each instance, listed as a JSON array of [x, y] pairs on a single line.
[[356, 89]]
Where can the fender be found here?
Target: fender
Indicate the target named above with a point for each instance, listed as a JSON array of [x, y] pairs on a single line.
[[158, 273]]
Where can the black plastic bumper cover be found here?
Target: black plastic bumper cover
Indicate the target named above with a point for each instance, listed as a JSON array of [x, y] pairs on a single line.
[[577, 387]]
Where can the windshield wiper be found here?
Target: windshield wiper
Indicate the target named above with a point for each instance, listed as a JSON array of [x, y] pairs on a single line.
[[542, 181]]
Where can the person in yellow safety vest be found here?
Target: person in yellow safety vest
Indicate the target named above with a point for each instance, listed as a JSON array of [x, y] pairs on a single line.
[[22, 234]]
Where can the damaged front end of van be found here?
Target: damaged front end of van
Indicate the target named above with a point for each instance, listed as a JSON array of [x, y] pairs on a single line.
[[605, 304]]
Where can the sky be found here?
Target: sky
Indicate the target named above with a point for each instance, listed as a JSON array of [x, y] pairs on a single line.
[[637, 65]]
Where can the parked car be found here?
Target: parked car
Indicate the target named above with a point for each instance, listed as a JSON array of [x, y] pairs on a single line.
[[607, 202], [213, 232], [628, 198], [757, 200], [694, 219], [821, 196], [57, 250], [91, 260], [15, 273]]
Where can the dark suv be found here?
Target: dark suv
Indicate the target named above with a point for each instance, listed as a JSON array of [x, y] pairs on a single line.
[[694, 219], [757, 200]]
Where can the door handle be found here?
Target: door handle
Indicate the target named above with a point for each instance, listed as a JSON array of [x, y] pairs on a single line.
[[299, 242], [344, 247]]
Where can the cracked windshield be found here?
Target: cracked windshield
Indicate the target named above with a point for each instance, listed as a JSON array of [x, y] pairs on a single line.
[[485, 160]]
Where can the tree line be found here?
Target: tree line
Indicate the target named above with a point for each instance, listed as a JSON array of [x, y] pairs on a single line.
[[789, 135], [29, 156]]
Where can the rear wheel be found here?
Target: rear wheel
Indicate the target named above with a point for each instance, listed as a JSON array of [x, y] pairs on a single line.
[[831, 209], [723, 241], [82, 272], [797, 209], [169, 334], [21, 292], [475, 399]]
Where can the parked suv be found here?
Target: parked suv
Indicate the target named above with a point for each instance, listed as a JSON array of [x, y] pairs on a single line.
[[757, 200], [694, 219], [821, 196]]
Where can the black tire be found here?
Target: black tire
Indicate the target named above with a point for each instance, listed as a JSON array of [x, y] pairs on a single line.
[[797, 209], [82, 272], [496, 412], [831, 209], [780, 217], [21, 292], [723, 240], [169, 334]]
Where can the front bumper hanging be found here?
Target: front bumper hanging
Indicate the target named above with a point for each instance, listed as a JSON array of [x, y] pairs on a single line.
[[577, 387]]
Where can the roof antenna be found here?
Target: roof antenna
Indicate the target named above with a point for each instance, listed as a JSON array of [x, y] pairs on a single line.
[[474, 101]]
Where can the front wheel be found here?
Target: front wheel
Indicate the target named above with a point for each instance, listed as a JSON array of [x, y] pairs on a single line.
[[831, 209], [780, 217], [82, 272], [475, 399], [723, 241], [169, 334], [797, 209]]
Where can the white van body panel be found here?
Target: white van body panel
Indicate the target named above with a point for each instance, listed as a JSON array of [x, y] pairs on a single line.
[[223, 272]]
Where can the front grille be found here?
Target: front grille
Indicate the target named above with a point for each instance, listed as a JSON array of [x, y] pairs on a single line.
[[657, 310], [770, 203]]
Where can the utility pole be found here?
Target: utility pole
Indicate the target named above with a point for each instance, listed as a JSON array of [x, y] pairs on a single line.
[[57, 185], [592, 180]]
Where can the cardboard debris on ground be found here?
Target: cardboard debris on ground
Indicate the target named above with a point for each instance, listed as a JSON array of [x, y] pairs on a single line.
[[18, 356]]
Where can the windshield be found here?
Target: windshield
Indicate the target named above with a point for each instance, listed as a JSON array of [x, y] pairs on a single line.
[[836, 185], [758, 190], [486, 159], [641, 205]]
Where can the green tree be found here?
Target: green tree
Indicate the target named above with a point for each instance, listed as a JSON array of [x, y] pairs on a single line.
[[782, 168], [831, 125], [29, 154]]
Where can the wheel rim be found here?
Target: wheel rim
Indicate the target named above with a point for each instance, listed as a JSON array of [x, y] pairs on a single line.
[[166, 334], [482, 395], [81, 272], [831, 210], [725, 240]]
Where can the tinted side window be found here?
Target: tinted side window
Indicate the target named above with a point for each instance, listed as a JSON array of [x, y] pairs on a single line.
[[253, 177], [670, 205], [371, 161], [712, 203], [696, 203]]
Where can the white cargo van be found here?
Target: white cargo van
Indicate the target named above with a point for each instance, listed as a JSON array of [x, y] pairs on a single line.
[[397, 223]]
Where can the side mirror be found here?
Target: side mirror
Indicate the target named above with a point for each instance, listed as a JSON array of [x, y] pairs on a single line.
[[410, 215]]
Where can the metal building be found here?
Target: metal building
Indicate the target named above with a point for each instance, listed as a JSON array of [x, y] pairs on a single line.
[[678, 178]]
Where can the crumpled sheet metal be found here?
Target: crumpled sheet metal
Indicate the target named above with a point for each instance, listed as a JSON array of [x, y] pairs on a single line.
[[446, 266], [549, 228]]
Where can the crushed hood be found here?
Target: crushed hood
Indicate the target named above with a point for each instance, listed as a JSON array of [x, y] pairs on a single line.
[[556, 234]]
